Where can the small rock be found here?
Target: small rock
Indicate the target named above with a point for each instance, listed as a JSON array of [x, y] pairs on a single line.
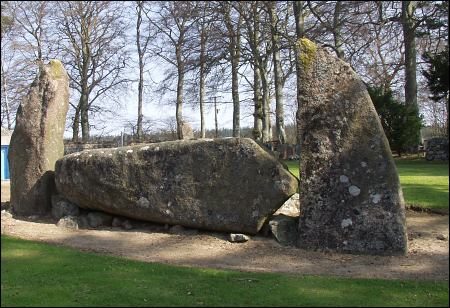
[[83, 222], [238, 238], [6, 214], [441, 237], [97, 219], [117, 222], [127, 225], [284, 229], [68, 222], [62, 207], [176, 229], [291, 207]]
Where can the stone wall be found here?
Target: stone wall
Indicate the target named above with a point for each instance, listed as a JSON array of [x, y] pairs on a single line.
[[436, 149]]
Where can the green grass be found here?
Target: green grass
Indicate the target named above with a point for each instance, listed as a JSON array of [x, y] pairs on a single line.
[[37, 274], [424, 183]]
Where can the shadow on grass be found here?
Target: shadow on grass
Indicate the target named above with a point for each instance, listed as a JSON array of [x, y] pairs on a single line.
[[61, 276]]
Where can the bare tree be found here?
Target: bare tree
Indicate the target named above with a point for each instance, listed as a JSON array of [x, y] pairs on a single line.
[[93, 49], [280, 132], [26, 42], [174, 21], [233, 33], [142, 42]]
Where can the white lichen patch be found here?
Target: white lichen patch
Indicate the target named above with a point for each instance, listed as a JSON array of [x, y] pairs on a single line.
[[375, 198], [255, 213], [110, 154], [354, 190], [130, 151], [363, 164], [143, 202], [144, 148], [157, 149], [346, 222], [343, 179]]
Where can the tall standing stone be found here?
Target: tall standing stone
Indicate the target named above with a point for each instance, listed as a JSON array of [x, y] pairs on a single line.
[[37, 140], [350, 195]]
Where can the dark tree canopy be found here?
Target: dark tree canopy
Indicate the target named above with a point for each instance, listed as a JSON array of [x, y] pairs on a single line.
[[399, 122], [437, 74]]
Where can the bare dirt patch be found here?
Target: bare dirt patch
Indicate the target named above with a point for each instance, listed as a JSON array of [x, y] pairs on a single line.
[[427, 259]]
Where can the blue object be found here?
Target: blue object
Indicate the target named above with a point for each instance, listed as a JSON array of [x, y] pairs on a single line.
[[4, 163]]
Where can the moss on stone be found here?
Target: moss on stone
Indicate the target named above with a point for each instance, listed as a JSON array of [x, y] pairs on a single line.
[[56, 69], [307, 52]]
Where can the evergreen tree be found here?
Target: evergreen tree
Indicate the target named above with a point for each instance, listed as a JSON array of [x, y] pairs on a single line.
[[399, 122], [437, 77]]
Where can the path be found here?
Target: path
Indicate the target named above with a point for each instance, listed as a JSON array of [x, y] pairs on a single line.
[[427, 259]]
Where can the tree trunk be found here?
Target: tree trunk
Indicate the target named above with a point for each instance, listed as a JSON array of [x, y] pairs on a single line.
[[300, 31], [235, 57], [265, 104], [141, 71], [257, 98], [76, 125], [258, 116], [279, 110], [337, 30], [408, 8], [84, 99], [202, 80], [140, 92], [179, 106], [84, 117], [5, 93]]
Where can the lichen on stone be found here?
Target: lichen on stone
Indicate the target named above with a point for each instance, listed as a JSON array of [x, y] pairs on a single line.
[[56, 68], [307, 52]]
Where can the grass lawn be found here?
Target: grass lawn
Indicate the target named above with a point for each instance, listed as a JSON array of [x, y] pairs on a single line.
[[37, 274], [424, 183]]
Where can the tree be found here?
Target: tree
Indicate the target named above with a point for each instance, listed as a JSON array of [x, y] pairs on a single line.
[[174, 23], [399, 122], [6, 26], [233, 33], [27, 40], [250, 12], [279, 111], [142, 42], [93, 49], [437, 78]]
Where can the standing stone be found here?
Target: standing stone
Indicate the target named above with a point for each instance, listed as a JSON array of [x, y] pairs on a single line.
[[350, 195], [37, 140]]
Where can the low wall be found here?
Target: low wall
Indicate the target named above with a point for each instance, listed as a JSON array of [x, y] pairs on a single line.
[[436, 149]]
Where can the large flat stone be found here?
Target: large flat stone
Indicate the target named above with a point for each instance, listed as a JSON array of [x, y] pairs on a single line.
[[229, 185]]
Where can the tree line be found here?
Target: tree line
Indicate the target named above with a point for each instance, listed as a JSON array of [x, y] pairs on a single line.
[[247, 48]]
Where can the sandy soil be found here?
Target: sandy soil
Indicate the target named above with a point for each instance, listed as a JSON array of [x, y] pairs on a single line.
[[427, 259]]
